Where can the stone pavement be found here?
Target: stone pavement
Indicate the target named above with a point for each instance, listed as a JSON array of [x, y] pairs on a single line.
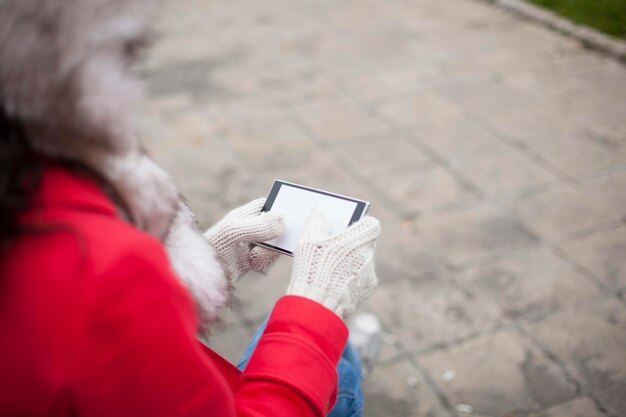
[[493, 151]]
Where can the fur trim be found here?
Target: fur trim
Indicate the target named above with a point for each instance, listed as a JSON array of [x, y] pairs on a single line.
[[65, 75], [196, 264], [149, 192]]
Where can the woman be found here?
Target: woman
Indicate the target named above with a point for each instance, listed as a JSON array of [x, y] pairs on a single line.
[[105, 279]]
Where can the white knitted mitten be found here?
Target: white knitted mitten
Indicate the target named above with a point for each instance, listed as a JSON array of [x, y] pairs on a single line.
[[336, 271], [232, 239]]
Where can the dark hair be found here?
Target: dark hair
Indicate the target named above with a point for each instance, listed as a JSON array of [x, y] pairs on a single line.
[[20, 174]]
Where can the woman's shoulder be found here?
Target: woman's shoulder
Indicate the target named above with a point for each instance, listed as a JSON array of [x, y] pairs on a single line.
[[73, 227]]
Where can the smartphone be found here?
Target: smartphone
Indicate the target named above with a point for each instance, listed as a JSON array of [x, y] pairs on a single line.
[[296, 202]]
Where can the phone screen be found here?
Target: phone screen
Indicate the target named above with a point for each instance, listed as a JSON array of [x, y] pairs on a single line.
[[296, 202]]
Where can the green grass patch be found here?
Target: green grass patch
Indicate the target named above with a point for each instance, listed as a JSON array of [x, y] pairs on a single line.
[[608, 16]]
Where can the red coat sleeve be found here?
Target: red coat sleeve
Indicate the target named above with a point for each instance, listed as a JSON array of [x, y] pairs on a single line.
[[296, 359], [140, 357]]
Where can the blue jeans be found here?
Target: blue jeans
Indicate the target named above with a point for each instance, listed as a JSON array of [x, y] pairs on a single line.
[[350, 398]]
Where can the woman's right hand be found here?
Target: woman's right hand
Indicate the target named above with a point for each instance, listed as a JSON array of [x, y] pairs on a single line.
[[336, 271], [233, 239]]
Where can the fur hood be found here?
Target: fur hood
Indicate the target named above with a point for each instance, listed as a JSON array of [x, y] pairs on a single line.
[[66, 75]]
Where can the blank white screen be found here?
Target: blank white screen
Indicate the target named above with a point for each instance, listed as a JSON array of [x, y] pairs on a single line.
[[296, 205]]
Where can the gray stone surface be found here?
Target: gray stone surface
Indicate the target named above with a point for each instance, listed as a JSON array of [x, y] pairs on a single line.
[[608, 190], [596, 356], [399, 390], [580, 407], [429, 311], [490, 171], [492, 150], [532, 380], [578, 156], [602, 253], [339, 120], [231, 341], [563, 212], [530, 282], [429, 188], [470, 233], [412, 256]]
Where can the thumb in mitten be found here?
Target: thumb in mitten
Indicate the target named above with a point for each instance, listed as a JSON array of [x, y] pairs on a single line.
[[261, 259], [317, 226]]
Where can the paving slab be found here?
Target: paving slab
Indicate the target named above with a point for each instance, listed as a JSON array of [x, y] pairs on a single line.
[[398, 389], [490, 172], [530, 282], [596, 356], [579, 157], [472, 376], [563, 212], [408, 109], [341, 120], [380, 157], [411, 255], [457, 139], [608, 190], [602, 253], [429, 311], [580, 407], [275, 142], [376, 83], [469, 233], [423, 189], [231, 341]]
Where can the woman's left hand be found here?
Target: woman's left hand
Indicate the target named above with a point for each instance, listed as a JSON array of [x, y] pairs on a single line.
[[232, 239]]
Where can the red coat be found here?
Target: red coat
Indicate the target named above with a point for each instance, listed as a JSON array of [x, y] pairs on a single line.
[[94, 323]]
